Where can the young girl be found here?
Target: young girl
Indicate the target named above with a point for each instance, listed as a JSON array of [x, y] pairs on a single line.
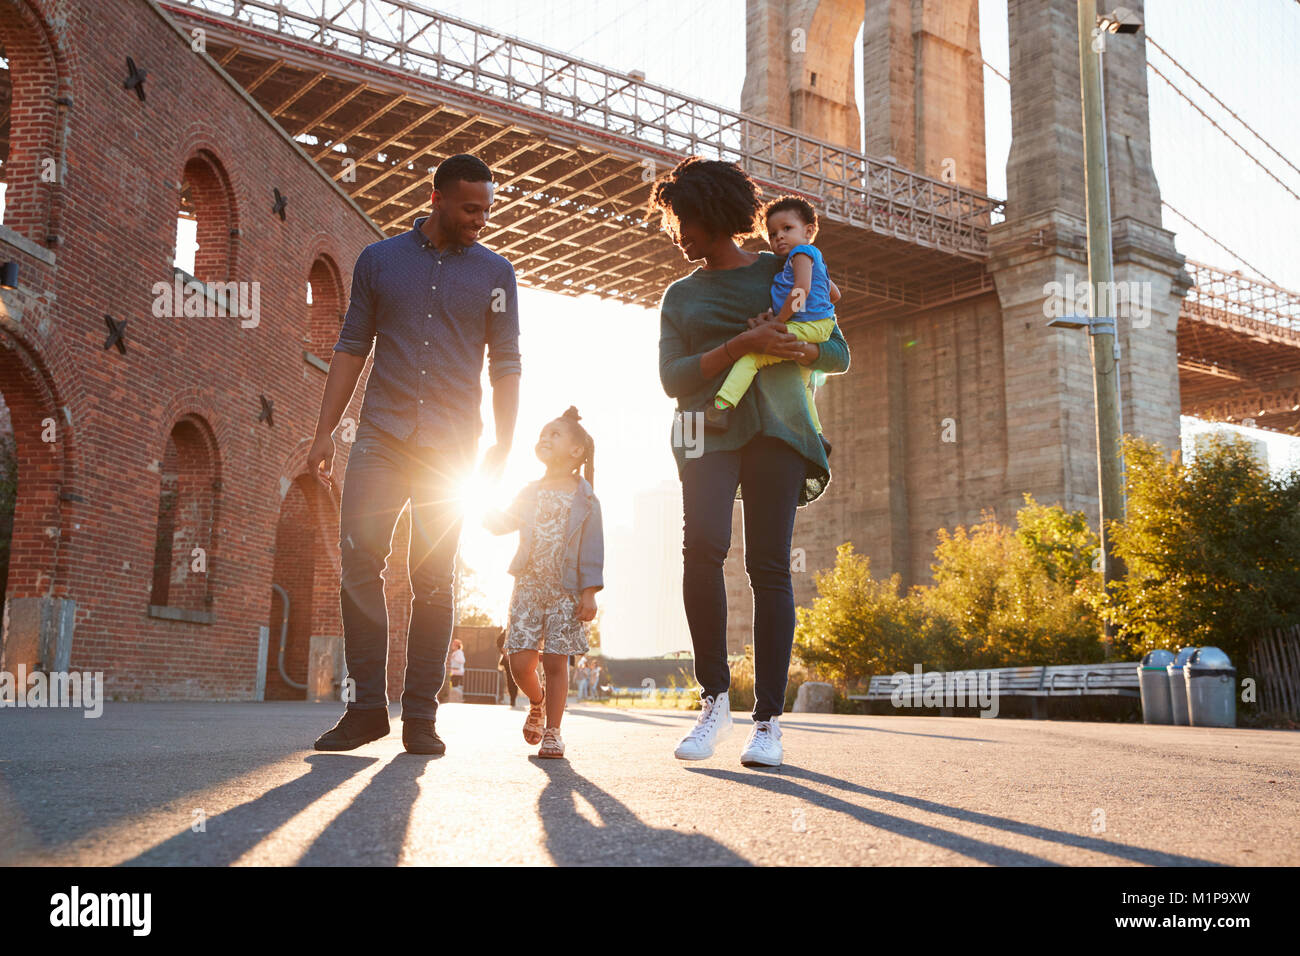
[[557, 572]]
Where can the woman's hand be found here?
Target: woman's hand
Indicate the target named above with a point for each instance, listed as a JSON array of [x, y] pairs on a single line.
[[772, 338], [811, 353]]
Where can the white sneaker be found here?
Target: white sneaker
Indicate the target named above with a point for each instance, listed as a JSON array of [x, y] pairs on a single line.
[[764, 747], [713, 722]]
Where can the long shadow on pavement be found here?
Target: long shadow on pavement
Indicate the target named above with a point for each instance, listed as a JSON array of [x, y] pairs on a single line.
[[622, 839], [618, 716], [1064, 837], [371, 830], [230, 835], [980, 850]]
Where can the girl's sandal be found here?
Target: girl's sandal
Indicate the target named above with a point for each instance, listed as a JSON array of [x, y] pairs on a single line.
[[552, 745], [535, 721]]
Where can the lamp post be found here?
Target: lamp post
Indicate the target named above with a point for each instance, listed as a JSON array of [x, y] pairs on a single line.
[[1101, 280]]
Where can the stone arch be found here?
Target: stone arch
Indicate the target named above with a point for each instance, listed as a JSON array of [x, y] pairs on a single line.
[[325, 308], [38, 501], [208, 197], [188, 513], [306, 568], [31, 145], [800, 66]]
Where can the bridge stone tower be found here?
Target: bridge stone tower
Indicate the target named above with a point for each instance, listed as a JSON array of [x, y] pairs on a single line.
[[1051, 439], [1016, 394], [923, 78]]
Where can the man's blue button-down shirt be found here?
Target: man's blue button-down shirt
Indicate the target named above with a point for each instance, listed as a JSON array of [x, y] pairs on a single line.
[[429, 315]]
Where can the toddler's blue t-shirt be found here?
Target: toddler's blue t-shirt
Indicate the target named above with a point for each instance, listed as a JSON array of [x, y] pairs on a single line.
[[818, 304]]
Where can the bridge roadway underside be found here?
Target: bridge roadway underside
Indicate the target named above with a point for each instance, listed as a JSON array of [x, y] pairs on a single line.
[[571, 201]]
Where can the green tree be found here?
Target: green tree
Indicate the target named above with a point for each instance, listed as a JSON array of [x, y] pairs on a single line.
[[1022, 596], [858, 627], [471, 602], [1211, 548]]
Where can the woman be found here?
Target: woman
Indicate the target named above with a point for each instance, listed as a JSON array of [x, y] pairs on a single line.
[[769, 455]]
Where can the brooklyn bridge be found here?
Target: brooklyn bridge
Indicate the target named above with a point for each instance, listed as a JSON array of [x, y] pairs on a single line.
[[344, 107]]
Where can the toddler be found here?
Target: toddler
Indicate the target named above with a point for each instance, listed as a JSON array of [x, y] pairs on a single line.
[[803, 297]]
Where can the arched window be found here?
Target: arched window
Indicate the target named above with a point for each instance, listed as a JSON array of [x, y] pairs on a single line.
[[206, 227], [29, 160], [187, 506], [324, 302]]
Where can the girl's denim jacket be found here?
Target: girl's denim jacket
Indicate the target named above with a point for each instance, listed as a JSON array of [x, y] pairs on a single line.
[[584, 551]]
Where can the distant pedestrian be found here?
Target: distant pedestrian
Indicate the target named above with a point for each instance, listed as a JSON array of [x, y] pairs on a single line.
[[584, 676], [456, 663], [594, 679], [558, 570]]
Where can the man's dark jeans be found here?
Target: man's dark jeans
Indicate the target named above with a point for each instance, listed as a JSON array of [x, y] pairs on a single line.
[[382, 474], [770, 474]]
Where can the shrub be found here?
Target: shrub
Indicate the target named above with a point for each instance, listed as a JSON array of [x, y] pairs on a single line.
[[1211, 550]]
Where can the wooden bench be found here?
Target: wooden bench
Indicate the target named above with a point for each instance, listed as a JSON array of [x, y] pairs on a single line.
[[1113, 679]]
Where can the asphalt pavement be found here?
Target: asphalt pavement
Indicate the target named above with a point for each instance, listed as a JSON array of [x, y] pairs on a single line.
[[207, 783]]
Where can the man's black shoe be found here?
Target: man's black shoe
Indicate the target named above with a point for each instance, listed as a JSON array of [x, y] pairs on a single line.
[[419, 736], [355, 727], [826, 445]]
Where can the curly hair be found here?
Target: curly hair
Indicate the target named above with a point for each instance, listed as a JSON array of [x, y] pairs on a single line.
[[571, 419], [718, 195], [795, 204]]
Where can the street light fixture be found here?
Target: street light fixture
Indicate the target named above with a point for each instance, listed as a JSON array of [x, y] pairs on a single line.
[[1120, 20]]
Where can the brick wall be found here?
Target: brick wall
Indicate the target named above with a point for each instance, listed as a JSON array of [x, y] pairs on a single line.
[[95, 242]]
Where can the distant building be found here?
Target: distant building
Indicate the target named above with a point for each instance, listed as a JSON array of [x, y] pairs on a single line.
[[1201, 442], [642, 612]]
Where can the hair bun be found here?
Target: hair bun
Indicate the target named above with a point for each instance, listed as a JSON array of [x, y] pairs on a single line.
[[571, 413]]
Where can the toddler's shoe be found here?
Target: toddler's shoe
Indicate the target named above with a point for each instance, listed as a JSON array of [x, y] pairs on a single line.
[[716, 419], [535, 721], [552, 744], [825, 445]]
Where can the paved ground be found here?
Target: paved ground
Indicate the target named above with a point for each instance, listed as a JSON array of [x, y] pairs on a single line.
[[125, 788]]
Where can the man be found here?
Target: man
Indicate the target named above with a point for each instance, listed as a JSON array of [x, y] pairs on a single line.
[[429, 301]]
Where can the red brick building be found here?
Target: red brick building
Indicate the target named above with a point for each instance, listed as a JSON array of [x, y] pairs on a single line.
[[157, 504]]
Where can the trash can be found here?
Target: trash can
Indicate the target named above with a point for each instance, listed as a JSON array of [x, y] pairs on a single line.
[[1153, 681], [1211, 689], [1178, 686]]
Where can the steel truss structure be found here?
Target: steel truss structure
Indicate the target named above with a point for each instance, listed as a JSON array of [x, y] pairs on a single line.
[[379, 91]]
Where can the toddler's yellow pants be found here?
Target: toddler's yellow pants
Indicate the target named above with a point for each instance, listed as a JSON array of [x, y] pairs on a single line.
[[746, 367]]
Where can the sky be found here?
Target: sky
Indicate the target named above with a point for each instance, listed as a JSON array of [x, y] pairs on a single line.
[[602, 357]]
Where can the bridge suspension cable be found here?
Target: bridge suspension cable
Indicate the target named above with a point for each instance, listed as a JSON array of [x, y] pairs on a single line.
[[1251, 156], [1224, 105], [1234, 255]]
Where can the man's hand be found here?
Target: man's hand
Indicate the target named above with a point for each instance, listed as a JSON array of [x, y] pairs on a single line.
[[494, 463], [320, 461], [587, 609], [768, 316]]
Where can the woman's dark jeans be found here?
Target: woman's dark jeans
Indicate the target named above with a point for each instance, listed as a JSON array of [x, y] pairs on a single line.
[[382, 474], [770, 474]]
